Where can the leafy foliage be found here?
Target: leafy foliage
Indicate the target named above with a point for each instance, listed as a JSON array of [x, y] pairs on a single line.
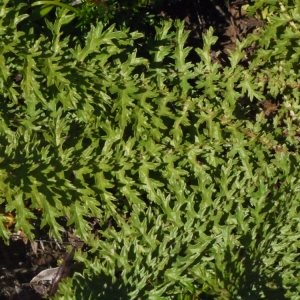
[[203, 195], [92, 11]]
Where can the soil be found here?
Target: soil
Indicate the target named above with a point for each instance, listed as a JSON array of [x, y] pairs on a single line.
[[21, 261]]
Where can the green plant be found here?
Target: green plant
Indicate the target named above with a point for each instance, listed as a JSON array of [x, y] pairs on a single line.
[[202, 192], [90, 11], [46, 6]]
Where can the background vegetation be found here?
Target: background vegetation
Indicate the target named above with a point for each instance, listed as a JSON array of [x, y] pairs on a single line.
[[177, 166]]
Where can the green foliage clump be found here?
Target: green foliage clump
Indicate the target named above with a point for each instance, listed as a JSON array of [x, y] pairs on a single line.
[[92, 11], [201, 190]]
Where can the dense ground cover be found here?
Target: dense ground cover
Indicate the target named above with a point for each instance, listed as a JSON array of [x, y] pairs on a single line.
[[169, 160]]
